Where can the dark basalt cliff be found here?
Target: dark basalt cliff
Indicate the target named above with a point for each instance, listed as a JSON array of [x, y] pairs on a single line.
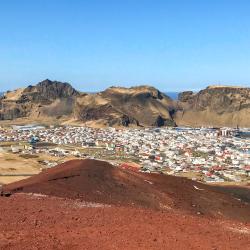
[[218, 99], [186, 96], [215, 105], [107, 113], [47, 98], [47, 91]]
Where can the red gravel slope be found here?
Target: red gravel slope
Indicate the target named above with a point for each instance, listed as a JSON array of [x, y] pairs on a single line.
[[88, 204], [32, 222], [98, 181]]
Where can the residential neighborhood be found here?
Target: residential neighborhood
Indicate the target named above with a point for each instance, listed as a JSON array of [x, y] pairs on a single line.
[[203, 154]]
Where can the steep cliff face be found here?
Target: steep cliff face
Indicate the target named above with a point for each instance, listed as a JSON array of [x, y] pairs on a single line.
[[186, 96], [48, 91], [215, 106], [47, 98]]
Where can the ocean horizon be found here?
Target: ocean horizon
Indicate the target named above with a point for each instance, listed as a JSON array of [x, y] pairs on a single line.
[[173, 95]]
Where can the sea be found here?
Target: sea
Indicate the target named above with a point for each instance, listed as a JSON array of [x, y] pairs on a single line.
[[173, 95]]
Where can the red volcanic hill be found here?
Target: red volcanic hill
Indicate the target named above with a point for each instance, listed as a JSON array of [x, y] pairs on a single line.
[[100, 182], [88, 204]]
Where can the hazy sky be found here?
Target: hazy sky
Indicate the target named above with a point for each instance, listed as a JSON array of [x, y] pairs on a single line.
[[93, 44]]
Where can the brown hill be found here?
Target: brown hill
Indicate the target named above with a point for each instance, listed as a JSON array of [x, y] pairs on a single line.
[[143, 105], [215, 106], [135, 106], [138, 106], [99, 182]]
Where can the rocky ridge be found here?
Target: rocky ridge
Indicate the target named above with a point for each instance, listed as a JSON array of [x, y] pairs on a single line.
[[47, 98], [136, 106], [215, 106]]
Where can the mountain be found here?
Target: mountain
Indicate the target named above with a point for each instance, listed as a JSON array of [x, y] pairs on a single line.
[[214, 106], [89, 204], [46, 99], [47, 91], [140, 106], [136, 106]]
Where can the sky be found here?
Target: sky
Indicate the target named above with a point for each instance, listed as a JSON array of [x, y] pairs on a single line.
[[173, 45]]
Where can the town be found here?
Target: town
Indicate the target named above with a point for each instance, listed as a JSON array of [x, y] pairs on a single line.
[[202, 154]]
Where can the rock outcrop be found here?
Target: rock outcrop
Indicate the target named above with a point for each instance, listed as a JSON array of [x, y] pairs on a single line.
[[215, 106], [47, 98], [48, 91]]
